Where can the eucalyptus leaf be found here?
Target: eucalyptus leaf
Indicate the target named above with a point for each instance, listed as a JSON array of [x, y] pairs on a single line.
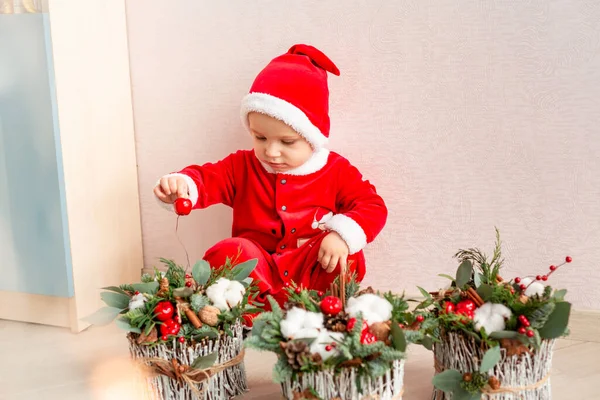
[[485, 291], [503, 335], [183, 292], [478, 278], [123, 324], [115, 289], [201, 272], [204, 362], [463, 274], [150, 287], [243, 270], [103, 316], [490, 358], [116, 300], [427, 343], [446, 276], [559, 295], [398, 337], [424, 292], [447, 381], [557, 322]]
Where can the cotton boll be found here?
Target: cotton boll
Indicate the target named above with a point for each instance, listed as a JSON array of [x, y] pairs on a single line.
[[492, 317], [216, 293], [300, 323], [234, 293], [534, 288], [293, 322], [325, 338], [137, 301], [306, 333], [373, 308], [313, 320]]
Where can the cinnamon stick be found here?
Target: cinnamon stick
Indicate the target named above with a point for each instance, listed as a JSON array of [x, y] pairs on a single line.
[[191, 315], [473, 295]]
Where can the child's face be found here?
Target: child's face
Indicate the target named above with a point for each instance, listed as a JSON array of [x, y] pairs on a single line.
[[277, 144]]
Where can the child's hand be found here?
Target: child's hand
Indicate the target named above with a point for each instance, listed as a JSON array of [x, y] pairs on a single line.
[[333, 251], [170, 188]]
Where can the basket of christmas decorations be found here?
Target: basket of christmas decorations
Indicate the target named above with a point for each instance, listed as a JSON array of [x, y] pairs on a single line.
[[185, 328], [494, 338], [346, 343]]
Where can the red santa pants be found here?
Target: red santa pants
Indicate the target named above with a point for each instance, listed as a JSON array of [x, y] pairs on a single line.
[[274, 270]]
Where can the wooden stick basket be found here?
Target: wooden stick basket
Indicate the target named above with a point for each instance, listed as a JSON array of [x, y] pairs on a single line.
[[160, 381], [346, 384], [524, 376]]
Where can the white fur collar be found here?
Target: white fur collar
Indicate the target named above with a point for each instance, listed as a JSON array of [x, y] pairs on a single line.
[[315, 163]]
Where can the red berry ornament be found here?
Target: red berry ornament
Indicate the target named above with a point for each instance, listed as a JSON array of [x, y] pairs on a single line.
[[328, 348], [450, 307], [183, 206], [187, 276], [352, 322], [298, 290], [181, 339], [553, 268], [545, 278], [522, 330], [420, 318], [169, 327], [466, 307], [568, 259], [367, 338], [331, 305], [188, 284], [530, 333], [538, 278], [517, 280], [136, 293], [320, 293], [164, 311], [523, 287], [286, 284], [164, 338]]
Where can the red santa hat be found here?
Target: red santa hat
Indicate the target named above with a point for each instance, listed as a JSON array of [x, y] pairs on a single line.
[[293, 89]]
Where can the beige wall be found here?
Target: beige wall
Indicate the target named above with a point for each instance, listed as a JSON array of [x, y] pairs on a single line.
[[464, 114]]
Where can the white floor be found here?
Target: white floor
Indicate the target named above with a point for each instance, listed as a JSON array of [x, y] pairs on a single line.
[[42, 362]]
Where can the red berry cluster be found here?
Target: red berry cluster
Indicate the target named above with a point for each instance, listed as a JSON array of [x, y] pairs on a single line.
[[464, 307], [524, 325], [366, 337], [543, 278], [164, 312]]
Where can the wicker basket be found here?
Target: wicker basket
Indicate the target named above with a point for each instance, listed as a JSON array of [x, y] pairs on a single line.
[[522, 377], [225, 384], [345, 385]]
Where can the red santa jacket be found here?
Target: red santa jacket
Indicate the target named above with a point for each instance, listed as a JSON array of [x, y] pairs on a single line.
[[280, 211]]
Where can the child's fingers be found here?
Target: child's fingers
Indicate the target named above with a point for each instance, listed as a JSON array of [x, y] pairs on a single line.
[[173, 185], [164, 184], [333, 263], [325, 261], [182, 189], [161, 196]]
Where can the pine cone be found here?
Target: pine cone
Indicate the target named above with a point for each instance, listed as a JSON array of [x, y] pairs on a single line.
[[337, 323], [297, 353], [514, 347], [494, 383], [147, 339], [164, 287], [291, 304], [368, 290], [305, 395]]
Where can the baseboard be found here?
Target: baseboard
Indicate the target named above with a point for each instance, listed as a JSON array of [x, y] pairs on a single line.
[[35, 308]]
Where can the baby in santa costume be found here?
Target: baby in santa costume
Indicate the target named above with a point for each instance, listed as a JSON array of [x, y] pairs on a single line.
[[301, 210]]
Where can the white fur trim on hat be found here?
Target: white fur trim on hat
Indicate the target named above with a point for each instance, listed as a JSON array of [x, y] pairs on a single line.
[[284, 111], [315, 163], [349, 230], [192, 191]]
